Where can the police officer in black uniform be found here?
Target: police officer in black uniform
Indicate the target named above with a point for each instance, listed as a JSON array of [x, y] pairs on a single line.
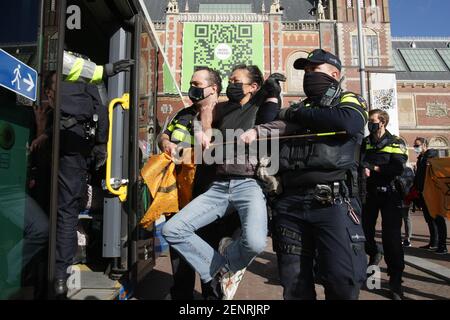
[[384, 159], [83, 134], [317, 217]]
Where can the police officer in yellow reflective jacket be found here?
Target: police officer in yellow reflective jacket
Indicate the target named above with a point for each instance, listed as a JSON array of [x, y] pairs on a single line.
[[206, 85], [317, 217], [384, 159]]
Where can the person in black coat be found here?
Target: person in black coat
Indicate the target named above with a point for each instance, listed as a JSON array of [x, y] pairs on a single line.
[[437, 226]]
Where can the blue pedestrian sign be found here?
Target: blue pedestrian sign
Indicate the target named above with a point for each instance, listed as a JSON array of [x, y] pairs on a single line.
[[17, 76]]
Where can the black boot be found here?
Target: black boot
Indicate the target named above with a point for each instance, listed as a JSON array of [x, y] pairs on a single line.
[[395, 285], [60, 288]]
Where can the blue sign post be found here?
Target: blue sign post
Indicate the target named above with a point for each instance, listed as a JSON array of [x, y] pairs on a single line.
[[17, 76]]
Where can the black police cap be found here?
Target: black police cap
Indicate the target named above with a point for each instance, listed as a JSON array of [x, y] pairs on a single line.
[[318, 57]]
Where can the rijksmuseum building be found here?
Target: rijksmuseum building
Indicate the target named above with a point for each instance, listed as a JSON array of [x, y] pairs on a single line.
[[273, 34]]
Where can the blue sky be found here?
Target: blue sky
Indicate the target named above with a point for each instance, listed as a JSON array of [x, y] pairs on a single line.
[[420, 17]]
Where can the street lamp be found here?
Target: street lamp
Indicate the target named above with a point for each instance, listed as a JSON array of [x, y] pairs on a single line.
[[362, 60]]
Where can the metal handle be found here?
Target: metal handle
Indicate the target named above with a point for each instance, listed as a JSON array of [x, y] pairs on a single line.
[[122, 189]]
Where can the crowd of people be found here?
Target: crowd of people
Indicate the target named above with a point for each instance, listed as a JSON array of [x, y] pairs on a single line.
[[330, 186], [320, 206]]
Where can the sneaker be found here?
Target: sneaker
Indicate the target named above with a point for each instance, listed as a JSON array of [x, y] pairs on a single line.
[[375, 260], [407, 243], [441, 251], [428, 247], [229, 281]]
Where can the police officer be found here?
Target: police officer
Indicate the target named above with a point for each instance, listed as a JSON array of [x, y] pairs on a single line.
[[384, 159], [316, 218], [83, 131]]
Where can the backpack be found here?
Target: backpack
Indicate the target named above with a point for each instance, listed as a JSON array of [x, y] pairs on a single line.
[[404, 182]]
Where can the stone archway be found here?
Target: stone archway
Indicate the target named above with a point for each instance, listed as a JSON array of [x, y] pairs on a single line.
[[440, 144], [294, 83]]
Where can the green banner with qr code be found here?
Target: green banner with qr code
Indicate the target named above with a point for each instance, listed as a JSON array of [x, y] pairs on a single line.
[[221, 46]]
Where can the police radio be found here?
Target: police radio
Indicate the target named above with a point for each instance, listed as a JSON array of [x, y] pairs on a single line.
[[332, 93], [90, 128]]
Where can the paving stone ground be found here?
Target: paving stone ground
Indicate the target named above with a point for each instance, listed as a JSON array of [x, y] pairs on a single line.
[[261, 279]]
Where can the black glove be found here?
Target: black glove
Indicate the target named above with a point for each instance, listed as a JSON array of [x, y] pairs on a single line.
[[112, 69], [100, 154], [272, 86]]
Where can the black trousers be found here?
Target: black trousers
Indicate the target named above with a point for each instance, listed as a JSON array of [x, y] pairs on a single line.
[[436, 226], [389, 204], [183, 273], [72, 186], [306, 232]]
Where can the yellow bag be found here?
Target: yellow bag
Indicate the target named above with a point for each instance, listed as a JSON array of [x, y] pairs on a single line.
[[170, 191], [436, 191]]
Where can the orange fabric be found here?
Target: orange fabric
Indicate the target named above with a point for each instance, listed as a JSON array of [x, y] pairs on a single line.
[[185, 179], [170, 187], [437, 187]]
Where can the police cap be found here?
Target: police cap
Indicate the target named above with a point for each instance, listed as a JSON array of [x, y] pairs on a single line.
[[317, 57]]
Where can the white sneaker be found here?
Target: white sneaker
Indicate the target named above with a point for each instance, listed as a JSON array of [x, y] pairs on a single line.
[[229, 281]]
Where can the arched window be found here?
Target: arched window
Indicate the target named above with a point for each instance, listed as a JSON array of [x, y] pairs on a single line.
[[372, 48], [294, 82], [440, 144]]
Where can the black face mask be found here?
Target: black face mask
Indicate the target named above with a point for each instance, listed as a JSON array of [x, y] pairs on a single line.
[[315, 84], [235, 92], [197, 94], [373, 127]]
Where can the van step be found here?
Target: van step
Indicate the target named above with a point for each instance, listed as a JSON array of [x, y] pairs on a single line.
[[95, 294]]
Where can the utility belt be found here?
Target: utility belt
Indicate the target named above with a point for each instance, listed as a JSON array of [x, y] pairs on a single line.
[[89, 126], [325, 194], [390, 188]]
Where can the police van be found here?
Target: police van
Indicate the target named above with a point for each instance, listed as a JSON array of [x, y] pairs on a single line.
[[114, 253]]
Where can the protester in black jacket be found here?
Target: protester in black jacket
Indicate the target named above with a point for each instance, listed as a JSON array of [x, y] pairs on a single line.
[[437, 226]]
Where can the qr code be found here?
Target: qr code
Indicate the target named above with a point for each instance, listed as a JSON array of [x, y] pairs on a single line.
[[383, 99], [237, 38]]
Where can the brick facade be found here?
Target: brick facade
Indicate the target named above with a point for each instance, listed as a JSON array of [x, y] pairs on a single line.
[[284, 41]]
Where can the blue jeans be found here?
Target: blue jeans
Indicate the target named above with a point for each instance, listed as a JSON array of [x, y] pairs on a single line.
[[247, 198]]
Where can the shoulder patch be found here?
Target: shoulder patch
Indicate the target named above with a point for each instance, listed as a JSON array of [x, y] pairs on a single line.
[[362, 101], [404, 148], [353, 98], [401, 143]]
